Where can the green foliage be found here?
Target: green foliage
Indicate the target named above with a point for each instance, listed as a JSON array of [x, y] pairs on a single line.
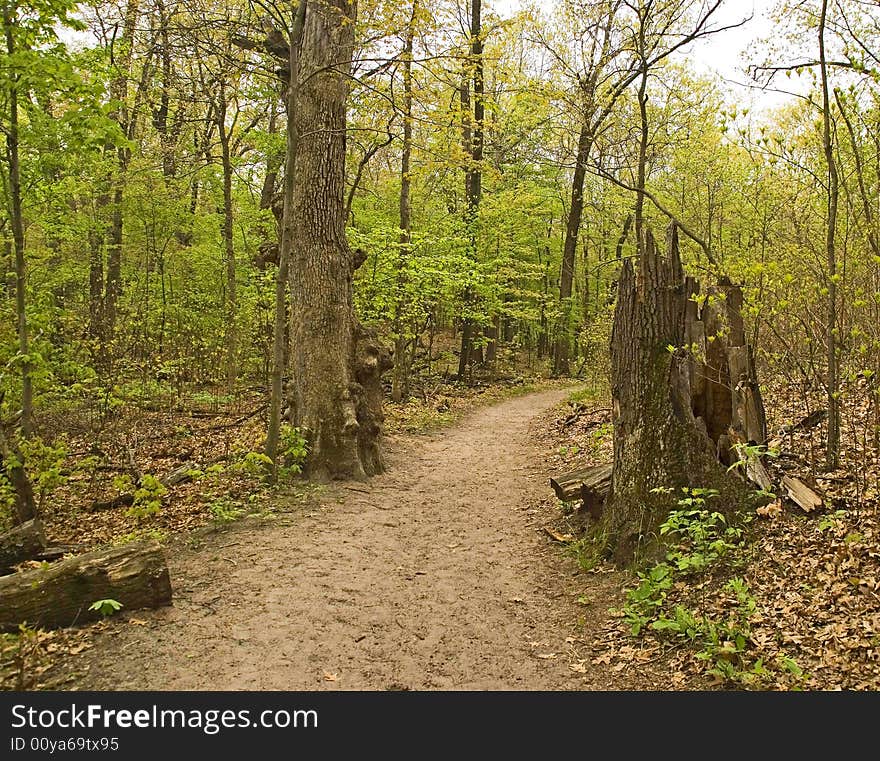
[[293, 450], [148, 493], [43, 465], [699, 540], [106, 607], [225, 510]]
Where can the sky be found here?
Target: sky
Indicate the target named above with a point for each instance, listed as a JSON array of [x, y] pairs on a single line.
[[724, 53]]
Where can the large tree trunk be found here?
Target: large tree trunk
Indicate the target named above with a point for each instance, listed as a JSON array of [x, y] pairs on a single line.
[[660, 393], [134, 575], [340, 418]]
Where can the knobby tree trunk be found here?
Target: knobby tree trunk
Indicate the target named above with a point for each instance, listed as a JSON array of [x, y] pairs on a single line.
[[676, 410], [335, 365]]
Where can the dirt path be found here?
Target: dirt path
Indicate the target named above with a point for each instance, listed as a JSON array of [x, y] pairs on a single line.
[[433, 576]]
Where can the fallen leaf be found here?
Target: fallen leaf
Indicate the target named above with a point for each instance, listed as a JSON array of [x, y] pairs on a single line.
[[556, 536], [330, 677]]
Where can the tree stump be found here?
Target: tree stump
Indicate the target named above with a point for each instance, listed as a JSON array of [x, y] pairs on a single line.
[[60, 595], [684, 394]]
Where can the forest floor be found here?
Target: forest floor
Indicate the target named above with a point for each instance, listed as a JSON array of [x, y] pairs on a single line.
[[437, 575], [459, 569]]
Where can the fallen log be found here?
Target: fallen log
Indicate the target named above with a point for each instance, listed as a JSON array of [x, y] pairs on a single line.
[[590, 486], [801, 494], [134, 575], [24, 542], [595, 479]]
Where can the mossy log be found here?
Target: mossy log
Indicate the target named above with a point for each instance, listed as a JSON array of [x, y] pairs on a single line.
[[60, 595]]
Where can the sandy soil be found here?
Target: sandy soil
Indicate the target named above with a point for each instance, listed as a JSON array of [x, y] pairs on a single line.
[[436, 575]]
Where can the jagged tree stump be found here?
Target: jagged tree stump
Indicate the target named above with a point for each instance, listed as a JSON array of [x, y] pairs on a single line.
[[683, 393]]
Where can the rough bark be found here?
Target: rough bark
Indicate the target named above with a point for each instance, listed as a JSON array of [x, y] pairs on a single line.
[[589, 485], [328, 402], [21, 543], [134, 575], [660, 393]]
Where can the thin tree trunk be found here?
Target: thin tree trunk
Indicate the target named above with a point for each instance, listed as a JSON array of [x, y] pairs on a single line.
[[641, 170], [832, 446], [119, 93], [17, 222], [231, 306], [569, 251], [287, 238], [474, 174], [400, 379]]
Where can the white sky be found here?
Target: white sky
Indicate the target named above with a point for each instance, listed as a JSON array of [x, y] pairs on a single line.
[[725, 53]]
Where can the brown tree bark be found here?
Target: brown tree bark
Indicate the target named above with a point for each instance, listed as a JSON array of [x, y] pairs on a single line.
[[472, 128], [661, 441], [400, 377], [280, 334], [832, 442], [60, 595], [335, 396], [231, 291], [17, 220], [569, 251]]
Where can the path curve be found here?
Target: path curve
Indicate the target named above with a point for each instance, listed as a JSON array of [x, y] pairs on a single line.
[[435, 575]]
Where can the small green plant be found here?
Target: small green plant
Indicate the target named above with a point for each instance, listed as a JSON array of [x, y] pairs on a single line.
[[255, 464], [147, 496], [106, 607], [644, 601], [293, 452], [152, 534], [224, 510], [831, 521], [587, 551]]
